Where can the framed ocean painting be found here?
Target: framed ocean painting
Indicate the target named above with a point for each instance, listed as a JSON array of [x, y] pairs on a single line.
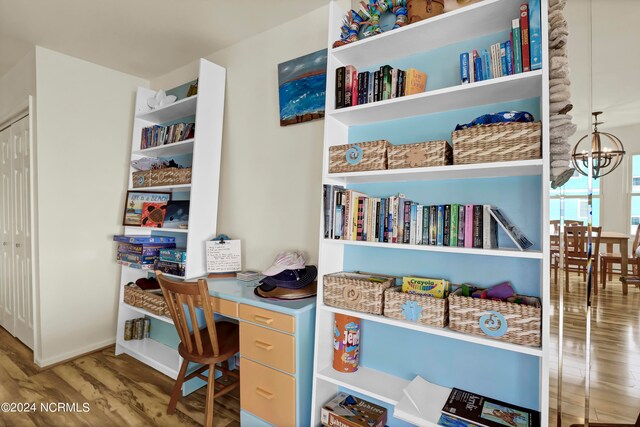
[[302, 83]]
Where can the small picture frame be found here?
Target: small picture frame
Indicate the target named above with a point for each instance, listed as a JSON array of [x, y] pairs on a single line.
[[177, 215], [134, 204]]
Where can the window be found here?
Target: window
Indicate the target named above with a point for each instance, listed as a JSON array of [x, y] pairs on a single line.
[[635, 193], [576, 206]]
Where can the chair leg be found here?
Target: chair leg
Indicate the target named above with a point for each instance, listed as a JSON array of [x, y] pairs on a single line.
[[595, 277], [177, 388], [566, 277], [211, 391], [603, 275], [555, 272]]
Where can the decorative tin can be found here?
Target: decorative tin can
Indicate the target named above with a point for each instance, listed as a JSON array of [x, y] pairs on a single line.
[[346, 343], [128, 330], [139, 328], [147, 328]]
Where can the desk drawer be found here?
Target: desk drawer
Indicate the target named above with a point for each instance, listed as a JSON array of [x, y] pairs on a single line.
[[268, 318], [267, 393], [225, 307], [267, 346]]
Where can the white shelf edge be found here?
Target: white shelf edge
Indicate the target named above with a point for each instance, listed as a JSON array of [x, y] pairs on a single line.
[[162, 187], [511, 253], [161, 229], [146, 313], [431, 330], [388, 388], [148, 115], [153, 353], [469, 171], [165, 147]]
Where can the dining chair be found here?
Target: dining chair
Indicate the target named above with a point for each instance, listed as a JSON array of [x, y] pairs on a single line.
[[207, 344], [575, 251], [608, 259], [555, 244]]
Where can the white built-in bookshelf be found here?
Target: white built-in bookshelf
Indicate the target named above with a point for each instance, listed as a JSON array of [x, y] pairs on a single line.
[[203, 151], [378, 377]]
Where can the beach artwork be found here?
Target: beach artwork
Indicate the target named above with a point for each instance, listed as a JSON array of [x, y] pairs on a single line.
[[302, 84]]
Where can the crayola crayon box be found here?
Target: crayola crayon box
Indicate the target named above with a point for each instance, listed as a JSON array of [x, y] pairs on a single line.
[[437, 288], [345, 410]]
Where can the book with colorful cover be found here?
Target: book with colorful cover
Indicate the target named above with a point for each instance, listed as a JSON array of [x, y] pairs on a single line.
[[486, 65], [516, 45], [419, 213], [425, 224], [446, 228], [350, 80], [535, 34], [385, 76], [406, 235], [461, 224], [415, 81], [468, 226], [478, 68], [514, 233], [487, 412], [453, 228], [440, 226], [433, 225], [509, 57], [503, 59], [464, 68], [144, 239], [477, 226], [524, 36]]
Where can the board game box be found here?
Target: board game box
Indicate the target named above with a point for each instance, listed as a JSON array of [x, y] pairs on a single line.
[[345, 410]]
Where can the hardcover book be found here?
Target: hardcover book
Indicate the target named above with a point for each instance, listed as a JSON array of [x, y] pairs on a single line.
[[447, 225], [419, 213], [477, 226], [414, 223], [509, 57], [349, 82], [453, 228], [535, 34], [433, 225], [406, 235], [486, 412], [516, 45], [461, 224], [376, 86], [340, 75], [511, 229], [524, 36], [440, 226], [468, 226], [401, 82], [425, 224], [416, 81], [385, 77]]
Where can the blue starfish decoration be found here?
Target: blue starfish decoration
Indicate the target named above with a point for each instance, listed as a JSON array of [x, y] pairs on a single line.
[[411, 311]]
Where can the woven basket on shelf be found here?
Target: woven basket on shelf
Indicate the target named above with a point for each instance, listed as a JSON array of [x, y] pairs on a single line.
[[355, 292], [363, 156], [420, 154], [158, 177], [503, 321], [423, 309], [498, 142], [150, 301]]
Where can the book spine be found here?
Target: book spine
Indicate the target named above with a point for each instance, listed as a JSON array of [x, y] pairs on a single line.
[[413, 232], [347, 215], [472, 73], [433, 225], [376, 86], [400, 210], [492, 55], [468, 226], [386, 85], [370, 87], [464, 68], [516, 45], [477, 226], [340, 82], [354, 217], [394, 83], [446, 226], [453, 228], [509, 57], [478, 69], [337, 227], [440, 226], [354, 89], [360, 218], [503, 59], [535, 34], [406, 235], [486, 64], [401, 82], [524, 35], [381, 220], [393, 211], [419, 213], [495, 60], [425, 224], [360, 83], [490, 229], [365, 218], [461, 224], [349, 81], [326, 207]]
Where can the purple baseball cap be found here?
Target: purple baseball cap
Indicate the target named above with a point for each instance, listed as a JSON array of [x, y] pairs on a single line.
[[292, 279]]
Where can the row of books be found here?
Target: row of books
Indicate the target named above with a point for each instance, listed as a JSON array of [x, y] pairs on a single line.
[[352, 215], [353, 88], [157, 135], [521, 53]]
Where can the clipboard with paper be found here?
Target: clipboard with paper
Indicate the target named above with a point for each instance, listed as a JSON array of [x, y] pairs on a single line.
[[223, 255]]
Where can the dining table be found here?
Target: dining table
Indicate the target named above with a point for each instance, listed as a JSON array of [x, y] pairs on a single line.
[[611, 238]]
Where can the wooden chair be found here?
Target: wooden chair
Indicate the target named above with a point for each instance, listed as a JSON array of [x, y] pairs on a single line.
[[607, 260], [555, 244], [575, 251], [216, 342]]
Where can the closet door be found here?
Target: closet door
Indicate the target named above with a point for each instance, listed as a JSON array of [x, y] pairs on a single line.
[[6, 233], [23, 301]]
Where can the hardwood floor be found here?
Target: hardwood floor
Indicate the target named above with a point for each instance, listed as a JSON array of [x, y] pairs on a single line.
[[120, 391], [615, 354]]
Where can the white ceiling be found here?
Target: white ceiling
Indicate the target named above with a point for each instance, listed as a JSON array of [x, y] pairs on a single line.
[[146, 38]]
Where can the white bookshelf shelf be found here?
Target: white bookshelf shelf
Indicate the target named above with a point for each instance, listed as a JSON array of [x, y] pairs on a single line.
[[177, 187], [443, 332], [512, 253], [376, 384], [179, 109], [144, 312], [175, 149], [135, 229], [157, 355], [467, 23], [480, 170], [501, 89]]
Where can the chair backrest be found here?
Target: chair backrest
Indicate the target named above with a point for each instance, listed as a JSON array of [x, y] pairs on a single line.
[[575, 241], [182, 300], [555, 224]]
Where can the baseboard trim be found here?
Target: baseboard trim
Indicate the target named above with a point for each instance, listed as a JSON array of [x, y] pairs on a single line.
[[75, 354]]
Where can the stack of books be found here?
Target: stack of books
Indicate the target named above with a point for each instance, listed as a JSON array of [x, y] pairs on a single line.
[[521, 53], [353, 88], [156, 135], [142, 252], [172, 261], [352, 215]]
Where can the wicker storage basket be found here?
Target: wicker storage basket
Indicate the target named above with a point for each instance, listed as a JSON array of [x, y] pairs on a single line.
[[498, 142], [423, 9], [355, 292], [158, 177], [421, 154], [504, 321], [422, 309], [149, 300], [363, 156]]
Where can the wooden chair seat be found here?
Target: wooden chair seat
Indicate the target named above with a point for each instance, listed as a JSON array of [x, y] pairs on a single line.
[[228, 337]]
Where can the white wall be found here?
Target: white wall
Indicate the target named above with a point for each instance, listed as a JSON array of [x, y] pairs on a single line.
[[84, 119], [16, 86], [270, 186]]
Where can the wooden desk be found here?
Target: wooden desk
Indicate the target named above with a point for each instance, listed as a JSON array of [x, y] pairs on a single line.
[[611, 238]]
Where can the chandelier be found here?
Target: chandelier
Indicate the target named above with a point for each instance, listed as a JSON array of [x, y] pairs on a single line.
[[606, 157]]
